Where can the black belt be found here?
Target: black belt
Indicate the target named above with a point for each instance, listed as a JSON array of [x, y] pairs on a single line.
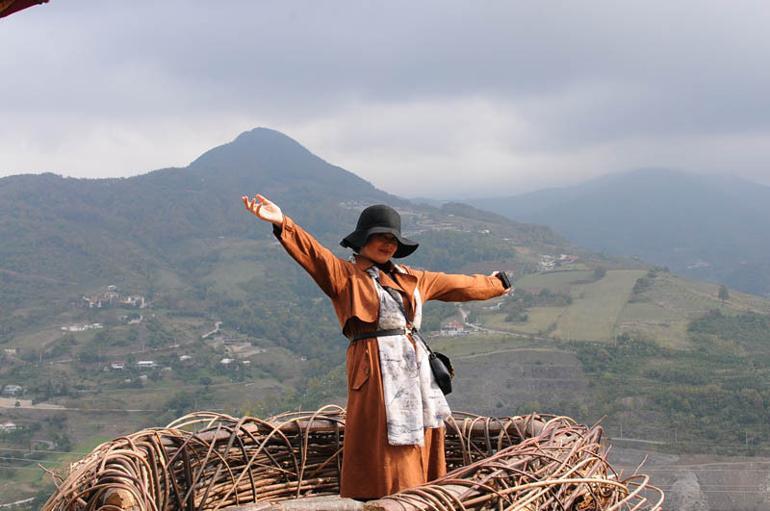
[[380, 333]]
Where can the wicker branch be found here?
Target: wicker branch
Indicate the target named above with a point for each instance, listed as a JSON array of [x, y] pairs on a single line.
[[207, 461]]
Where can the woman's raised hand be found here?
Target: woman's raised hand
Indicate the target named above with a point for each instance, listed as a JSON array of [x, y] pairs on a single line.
[[263, 209]]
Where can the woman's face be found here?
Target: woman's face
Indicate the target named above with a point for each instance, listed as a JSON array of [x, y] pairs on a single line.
[[380, 247]]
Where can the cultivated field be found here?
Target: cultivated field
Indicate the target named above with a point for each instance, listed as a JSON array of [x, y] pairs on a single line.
[[603, 309]]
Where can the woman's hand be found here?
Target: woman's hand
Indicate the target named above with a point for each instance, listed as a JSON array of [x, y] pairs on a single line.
[[509, 290], [263, 209]]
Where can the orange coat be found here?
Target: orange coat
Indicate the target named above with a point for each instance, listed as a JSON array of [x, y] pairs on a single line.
[[371, 467]]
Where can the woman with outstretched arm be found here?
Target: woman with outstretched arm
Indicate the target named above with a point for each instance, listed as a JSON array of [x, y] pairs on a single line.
[[394, 430]]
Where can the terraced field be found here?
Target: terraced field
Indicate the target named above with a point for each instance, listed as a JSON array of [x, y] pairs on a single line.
[[596, 307], [602, 309], [592, 315], [663, 312], [555, 280]]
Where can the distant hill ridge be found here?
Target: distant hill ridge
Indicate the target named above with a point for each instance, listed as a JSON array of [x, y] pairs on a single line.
[[51, 218], [125, 229], [705, 227]]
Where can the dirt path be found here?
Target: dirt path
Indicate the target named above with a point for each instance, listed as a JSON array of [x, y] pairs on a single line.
[[26, 404], [497, 352]]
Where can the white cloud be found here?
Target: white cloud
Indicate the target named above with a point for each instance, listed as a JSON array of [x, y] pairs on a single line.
[[453, 97], [81, 147]]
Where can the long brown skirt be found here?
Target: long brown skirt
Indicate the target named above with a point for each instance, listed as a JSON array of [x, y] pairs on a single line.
[[371, 468]]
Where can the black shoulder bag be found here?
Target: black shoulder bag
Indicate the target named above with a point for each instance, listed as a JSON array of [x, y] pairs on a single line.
[[440, 365]]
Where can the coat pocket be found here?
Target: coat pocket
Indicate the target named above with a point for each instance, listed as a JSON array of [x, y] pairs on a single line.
[[359, 370]]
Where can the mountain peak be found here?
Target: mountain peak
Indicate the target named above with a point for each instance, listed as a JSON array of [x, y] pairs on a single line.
[[262, 133], [265, 137], [255, 146], [270, 160]]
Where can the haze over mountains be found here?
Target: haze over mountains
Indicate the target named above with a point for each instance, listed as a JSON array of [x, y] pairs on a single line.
[[64, 233], [708, 228], [705, 227]]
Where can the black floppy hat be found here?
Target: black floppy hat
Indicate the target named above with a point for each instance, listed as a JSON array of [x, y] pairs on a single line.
[[375, 220]]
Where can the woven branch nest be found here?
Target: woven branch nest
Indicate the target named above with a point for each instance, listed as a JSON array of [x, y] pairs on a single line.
[[208, 461]]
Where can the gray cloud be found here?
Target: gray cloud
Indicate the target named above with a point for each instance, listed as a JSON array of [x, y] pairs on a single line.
[[419, 97]]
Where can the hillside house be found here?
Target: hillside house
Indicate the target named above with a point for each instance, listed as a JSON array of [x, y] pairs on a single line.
[[547, 262], [146, 364], [118, 365], [112, 297], [134, 301], [13, 390], [453, 325], [132, 319], [9, 427], [88, 303], [81, 328], [452, 328]]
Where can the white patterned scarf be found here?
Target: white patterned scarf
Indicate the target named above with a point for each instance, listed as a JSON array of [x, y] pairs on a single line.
[[413, 400]]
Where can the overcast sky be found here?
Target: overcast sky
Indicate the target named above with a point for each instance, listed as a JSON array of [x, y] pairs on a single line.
[[442, 99]]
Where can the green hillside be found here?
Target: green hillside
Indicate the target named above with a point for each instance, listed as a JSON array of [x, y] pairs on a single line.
[[208, 312], [667, 359], [180, 240]]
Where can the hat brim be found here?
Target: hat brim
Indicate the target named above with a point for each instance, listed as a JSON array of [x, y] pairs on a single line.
[[357, 239]]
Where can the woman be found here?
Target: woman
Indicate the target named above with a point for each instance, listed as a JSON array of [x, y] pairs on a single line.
[[394, 435]]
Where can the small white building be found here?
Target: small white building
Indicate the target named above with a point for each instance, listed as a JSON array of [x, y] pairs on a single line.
[[453, 325], [12, 390], [146, 364], [81, 328], [134, 301], [227, 361], [184, 358], [91, 303], [118, 365], [8, 427]]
